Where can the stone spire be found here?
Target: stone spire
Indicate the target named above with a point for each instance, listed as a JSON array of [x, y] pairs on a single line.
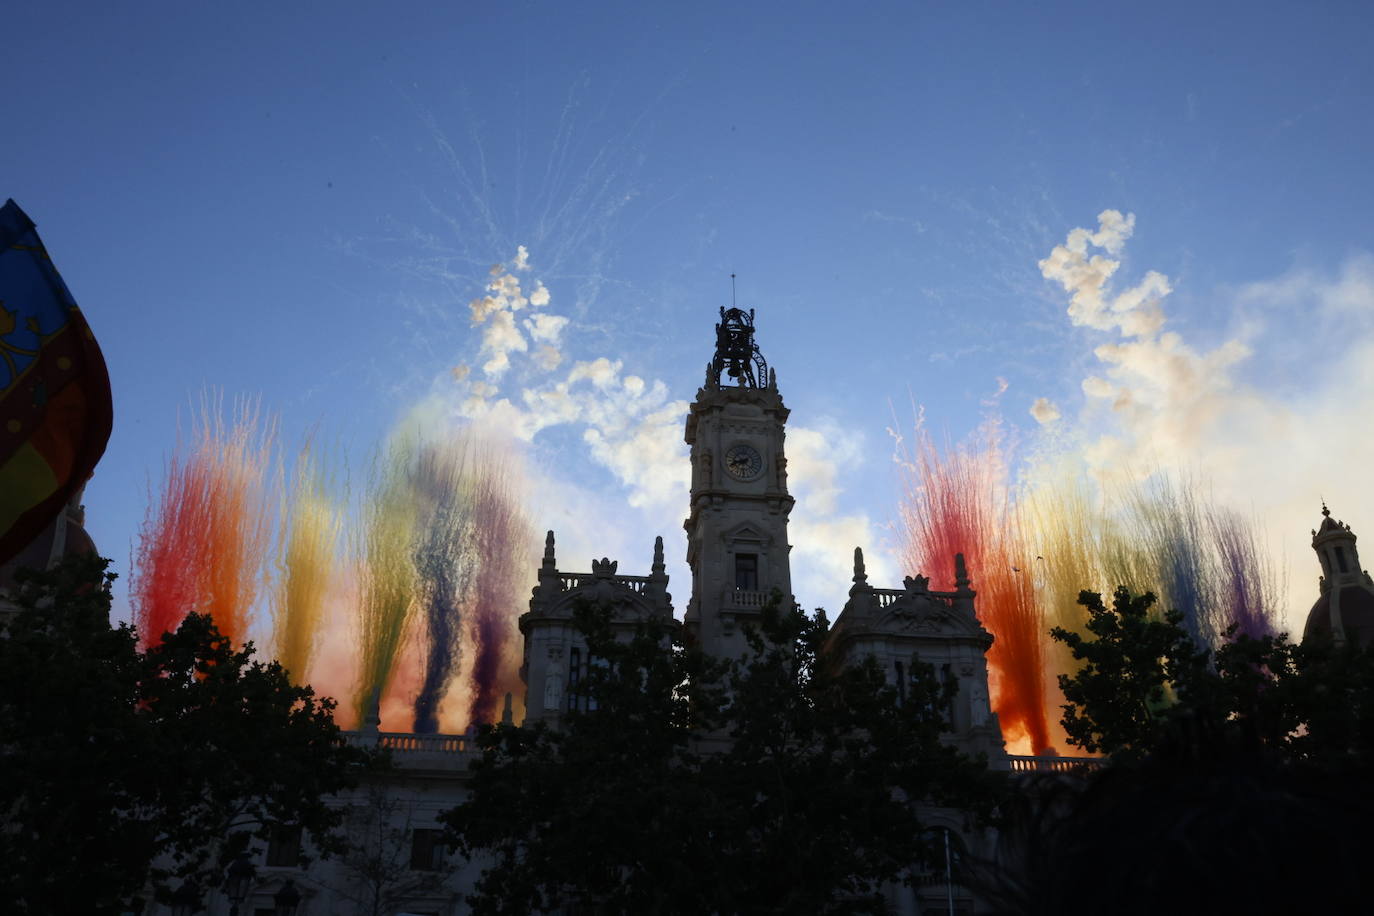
[[860, 571], [549, 561], [658, 567]]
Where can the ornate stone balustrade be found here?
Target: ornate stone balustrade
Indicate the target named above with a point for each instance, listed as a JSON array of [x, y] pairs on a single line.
[[889, 596], [746, 599], [569, 581], [1019, 764], [439, 753]]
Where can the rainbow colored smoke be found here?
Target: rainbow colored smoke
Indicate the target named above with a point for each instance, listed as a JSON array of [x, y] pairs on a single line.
[[1033, 545], [203, 545], [439, 554]]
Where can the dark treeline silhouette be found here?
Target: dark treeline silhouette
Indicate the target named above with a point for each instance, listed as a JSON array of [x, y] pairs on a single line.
[[1238, 782]]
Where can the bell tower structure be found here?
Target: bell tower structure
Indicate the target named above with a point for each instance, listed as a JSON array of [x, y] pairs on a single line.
[[737, 544]]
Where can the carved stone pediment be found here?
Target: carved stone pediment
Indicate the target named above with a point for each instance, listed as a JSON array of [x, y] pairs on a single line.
[[922, 614]]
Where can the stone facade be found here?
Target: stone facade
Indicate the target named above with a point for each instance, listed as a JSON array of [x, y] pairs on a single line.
[[738, 551]]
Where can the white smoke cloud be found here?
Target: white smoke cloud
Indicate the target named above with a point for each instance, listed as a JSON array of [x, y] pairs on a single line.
[[545, 327], [632, 427], [495, 312], [1160, 400], [501, 338], [1135, 311], [823, 536], [1045, 411]]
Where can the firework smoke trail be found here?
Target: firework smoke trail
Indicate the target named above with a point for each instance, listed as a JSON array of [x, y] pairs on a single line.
[[1248, 592], [172, 551], [204, 548], [388, 577], [1207, 562], [1060, 525], [306, 564], [443, 566], [1168, 523], [958, 502], [501, 540]]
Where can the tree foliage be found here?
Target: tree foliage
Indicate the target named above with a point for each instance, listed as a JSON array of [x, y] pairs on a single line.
[[777, 783], [121, 769], [1249, 762], [1118, 699], [376, 866], [1145, 688]]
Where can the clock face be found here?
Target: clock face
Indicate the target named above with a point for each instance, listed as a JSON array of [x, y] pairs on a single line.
[[743, 462]]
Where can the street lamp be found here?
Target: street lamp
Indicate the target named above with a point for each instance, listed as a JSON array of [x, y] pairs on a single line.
[[237, 880], [186, 900], [287, 899]]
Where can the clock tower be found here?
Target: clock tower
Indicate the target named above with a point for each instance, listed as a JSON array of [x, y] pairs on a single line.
[[737, 543]]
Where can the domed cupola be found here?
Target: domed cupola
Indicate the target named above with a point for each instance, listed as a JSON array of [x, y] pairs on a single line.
[[1345, 610]]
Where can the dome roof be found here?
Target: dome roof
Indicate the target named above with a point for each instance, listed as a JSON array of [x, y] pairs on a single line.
[[1356, 608]]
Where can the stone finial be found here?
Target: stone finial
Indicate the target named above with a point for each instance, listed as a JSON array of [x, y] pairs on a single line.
[[917, 584], [604, 568], [658, 567], [960, 573], [860, 573], [549, 561], [773, 379], [507, 716], [710, 377]]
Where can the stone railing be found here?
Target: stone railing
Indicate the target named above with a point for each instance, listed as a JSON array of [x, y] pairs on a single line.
[[570, 581], [419, 752], [1026, 764], [741, 598], [890, 596]]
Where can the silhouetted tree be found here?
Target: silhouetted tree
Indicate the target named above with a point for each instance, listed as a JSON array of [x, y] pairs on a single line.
[[1145, 686], [1238, 781], [781, 783], [121, 769], [377, 866]]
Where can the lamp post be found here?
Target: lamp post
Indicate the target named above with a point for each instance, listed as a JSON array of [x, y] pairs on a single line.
[[237, 880], [287, 899]]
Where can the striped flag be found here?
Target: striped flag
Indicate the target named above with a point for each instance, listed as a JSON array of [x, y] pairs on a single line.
[[55, 410]]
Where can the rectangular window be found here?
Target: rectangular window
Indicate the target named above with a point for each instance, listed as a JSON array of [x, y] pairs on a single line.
[[747, 572], [284, 847], [574, 678], [901, 683], [427, 852]]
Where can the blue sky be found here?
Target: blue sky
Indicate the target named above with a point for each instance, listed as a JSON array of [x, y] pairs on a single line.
[[299, 201]]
